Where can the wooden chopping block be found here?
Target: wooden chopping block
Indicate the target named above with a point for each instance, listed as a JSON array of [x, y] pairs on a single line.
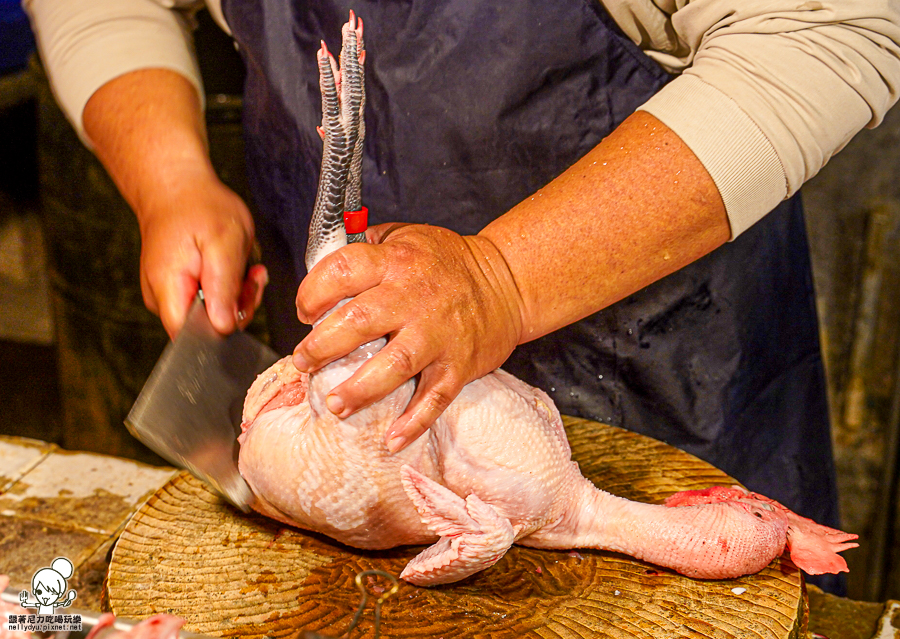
[[188, 553]]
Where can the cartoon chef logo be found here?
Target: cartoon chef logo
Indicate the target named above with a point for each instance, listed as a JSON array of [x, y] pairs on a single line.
[[48, 586]]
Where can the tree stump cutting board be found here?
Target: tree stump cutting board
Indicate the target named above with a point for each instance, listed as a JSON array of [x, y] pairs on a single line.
[[188, 553]]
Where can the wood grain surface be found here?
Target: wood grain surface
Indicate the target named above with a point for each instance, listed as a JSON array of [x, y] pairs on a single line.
[[232, 575]]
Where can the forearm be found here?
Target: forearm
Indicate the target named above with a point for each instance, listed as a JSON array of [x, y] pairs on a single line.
[[767, 90], [636, 208], [147, 129]]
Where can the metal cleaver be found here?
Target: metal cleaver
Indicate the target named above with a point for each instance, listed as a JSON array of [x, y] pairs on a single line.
[[189, 411]]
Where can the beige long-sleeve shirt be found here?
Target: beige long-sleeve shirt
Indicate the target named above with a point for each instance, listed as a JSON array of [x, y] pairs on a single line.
[[767, 90]]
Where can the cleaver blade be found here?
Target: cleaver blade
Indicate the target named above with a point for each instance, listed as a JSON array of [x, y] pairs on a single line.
[[189, 411]]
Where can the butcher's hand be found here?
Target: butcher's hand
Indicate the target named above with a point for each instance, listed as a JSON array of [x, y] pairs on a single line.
[[148, 130], [448, 304], [200, 237]]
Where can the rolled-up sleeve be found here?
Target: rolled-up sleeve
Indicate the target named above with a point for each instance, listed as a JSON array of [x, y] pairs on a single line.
[[768, 92], [86, 43]]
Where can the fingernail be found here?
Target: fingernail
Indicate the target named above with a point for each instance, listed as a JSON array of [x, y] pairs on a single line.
[[300, 363], [335, 404], [395, 443]]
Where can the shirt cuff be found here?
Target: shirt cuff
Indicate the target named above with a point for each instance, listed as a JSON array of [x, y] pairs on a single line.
[[740, 159]]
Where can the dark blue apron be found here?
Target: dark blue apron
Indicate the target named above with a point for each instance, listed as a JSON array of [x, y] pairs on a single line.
[[471, 107]]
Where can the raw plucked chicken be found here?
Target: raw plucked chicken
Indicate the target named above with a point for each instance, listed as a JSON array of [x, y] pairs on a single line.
[[159, 626], [494, 470]]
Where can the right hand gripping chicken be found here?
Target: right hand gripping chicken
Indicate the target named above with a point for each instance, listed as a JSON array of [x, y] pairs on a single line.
[[494, 470]]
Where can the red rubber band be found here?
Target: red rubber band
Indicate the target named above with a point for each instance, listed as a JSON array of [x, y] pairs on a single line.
[[356, 221]]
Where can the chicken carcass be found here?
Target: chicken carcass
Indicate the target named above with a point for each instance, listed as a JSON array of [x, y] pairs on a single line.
[[159, 626], [494, 470]]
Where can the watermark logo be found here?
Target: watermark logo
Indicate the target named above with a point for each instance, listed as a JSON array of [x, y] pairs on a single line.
[[49, 590]]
